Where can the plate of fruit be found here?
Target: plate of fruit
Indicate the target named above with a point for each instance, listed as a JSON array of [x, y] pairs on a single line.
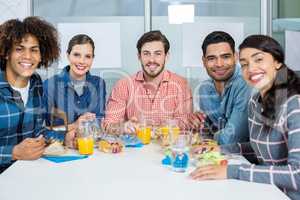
[[209, 158]]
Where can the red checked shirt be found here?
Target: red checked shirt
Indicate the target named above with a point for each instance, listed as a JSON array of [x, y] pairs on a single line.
[[132, 97]]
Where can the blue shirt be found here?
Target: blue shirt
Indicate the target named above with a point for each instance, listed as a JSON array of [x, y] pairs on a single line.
[[12, 128], [226, 113], [60, 94]]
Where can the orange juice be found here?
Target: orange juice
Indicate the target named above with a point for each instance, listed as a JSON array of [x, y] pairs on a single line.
[[86, 145], [176, 131], [164, 131], [164, 135], [144, 134]]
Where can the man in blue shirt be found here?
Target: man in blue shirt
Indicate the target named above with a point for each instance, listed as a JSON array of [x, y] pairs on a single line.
[[224, 97], [25, 46]]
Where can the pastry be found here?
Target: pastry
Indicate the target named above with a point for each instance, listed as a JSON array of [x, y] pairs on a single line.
[[110, 146], [55, 148]]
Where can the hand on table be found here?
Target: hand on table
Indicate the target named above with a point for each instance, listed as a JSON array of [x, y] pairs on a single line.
[[195, 120], [114, 128], [71, 139], [29, 149], [85, 117], [131, 126], [210, 172]]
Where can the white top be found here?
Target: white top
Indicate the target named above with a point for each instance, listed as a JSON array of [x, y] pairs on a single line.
[[24, 92], [136, 173]]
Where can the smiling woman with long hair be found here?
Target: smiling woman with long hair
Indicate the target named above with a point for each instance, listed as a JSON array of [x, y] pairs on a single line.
[[273, 118]]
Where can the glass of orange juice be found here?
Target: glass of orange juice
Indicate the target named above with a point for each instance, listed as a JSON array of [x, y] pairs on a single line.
[[85, 145], [144, 134], [85, 138], [163, 132], [168, 132]]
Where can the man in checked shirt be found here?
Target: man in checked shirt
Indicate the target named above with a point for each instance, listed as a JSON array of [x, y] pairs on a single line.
[[25, 46], [153, 94]]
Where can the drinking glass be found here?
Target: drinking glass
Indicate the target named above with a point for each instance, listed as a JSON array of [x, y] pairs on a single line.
[[95, 128], [180, 145], [85, 138]]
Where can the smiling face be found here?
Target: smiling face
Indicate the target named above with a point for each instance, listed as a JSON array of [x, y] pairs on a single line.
[[259, 68], [153, 59], [22, 61], [219, 61], [80, 58]]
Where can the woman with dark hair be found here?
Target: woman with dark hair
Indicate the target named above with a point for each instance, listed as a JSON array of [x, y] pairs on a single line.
[[75, 92], [273, 118]]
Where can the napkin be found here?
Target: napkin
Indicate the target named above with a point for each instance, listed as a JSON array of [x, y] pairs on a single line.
[[64, 158]]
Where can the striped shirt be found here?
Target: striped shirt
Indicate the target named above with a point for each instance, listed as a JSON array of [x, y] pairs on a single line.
[[276, 146], [133, 97], [12, 109]]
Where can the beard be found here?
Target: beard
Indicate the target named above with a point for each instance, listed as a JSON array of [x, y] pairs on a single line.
[[154, 74]]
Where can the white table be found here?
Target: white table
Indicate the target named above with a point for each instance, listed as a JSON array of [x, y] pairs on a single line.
[[132, 174]]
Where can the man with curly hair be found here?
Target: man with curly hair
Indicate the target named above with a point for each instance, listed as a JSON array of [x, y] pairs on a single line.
[[25, 46]]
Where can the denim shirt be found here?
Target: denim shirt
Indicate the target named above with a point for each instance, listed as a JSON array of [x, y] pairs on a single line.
[[19, 121], [59, 93], [226, 113]]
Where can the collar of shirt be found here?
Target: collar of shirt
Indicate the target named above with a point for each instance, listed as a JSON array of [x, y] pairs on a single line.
[[8, 93], [65, 77], [237, 72], [3, 81], [4, 84], [151, 91], [140, 76]]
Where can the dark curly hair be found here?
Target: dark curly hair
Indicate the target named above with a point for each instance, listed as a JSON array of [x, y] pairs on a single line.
[[14, 30]]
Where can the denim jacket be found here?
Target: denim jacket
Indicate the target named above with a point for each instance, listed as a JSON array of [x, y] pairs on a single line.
[[226, 113], [59, 93]]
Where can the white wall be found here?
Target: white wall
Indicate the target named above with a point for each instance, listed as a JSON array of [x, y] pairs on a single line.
[[129, 13], [14, 9]]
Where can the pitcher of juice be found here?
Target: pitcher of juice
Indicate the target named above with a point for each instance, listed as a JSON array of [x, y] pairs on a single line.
[[85, 138]]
